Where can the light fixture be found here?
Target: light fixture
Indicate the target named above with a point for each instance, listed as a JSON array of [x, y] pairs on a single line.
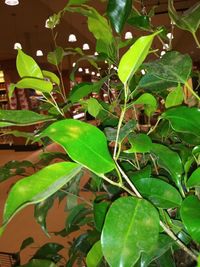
[[17, 46], [98, 74], [106, 61], [162, 53], [39, 53], [128, 35], [87, 71], [72, 38], [170, 35], [12, 2], [165, 46], [115, 68], [47, 24], [73, 64], [143, 72], [86, 46], [93, 73], [80, 69], [96, 53]]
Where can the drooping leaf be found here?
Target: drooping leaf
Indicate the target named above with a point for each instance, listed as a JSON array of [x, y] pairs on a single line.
[[169, 160], [184, 119], [194, 179], [189, 20], [160, 193], [56, 56], [118, 12], [49, 251], [38, 187], [175, 97], [95, 255], [31, 83], [129, 219], [149, 102], [190, 215], [27, 67], [93, 107], [21, 118], [52, 76], [134, 57], [140, 143], [83, 142], [172, 67], [100, 210], [39, 263], [28, 241]]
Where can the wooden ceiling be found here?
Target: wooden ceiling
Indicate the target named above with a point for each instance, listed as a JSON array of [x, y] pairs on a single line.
[[26, 23]]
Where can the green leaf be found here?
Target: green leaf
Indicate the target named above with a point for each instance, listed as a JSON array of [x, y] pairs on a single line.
[[129, 219], [160, 193], [175, 97], [27, 67], [118, 12], [169, 160], [39, 263], [52, 76], [49, 251], [56, 56], [28, 241], [134, 57], [38, 187], [143, 173], [83, 142], [36, 84], [95, 255], [198, 261], [184, 119], [139, 21], [140, 143], [93, 107], [172, 67], [77, 2], [188, 20], [100, 210], [21, 118], [149, 102], [190, 215], [194, 179]]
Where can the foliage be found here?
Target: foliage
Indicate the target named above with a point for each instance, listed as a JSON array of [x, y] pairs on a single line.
[[142, 158]]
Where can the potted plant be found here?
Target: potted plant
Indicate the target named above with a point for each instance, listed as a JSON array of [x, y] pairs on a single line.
[[142, 157]]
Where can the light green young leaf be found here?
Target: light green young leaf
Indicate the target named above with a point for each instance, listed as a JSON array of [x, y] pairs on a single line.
[[129, 219], [56, 56], [175, 97], [93, 107], [149, 102], [38, 187], [190, 215], [27, 67], [52, 76], [134, 57], [194, 179], [83, 142], [95, 255], [76, 2], [140, 143], [21, 118]]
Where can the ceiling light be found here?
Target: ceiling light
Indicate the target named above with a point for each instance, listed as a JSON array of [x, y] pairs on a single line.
[[128, 35], [143, 72], [87, 71], [39, 53], [72, 38], [115, 68], [73, 64], [93, 73], [80, 69], [17, 46], [165, 46], [106, 61], [162, 53], [96, 53], [86, 46], [170, 35], [12, 2], [47, 24], [98, 74]]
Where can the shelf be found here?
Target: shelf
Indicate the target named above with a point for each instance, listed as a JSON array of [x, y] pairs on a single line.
[[2, 89]]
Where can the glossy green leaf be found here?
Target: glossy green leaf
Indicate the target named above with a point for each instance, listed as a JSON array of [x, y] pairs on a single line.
[[95, 255], [188, 20], [39, 263], [27, 67], [190, 215], [139, 21], [100, 210], [149, 102], [41, 210], [52, 76], [140, 143], [198, 261], [169, 160], [77, 2], [28, 241], [56, 56], [172, 67], [184, 119], [129, 219], [38, 187], [118, 12], [143, 173], [21, 117], [93, 107], [160, 193], [31, 83], [194, 179], [83, 142], [134, 57], [175, 97], [49, 251]]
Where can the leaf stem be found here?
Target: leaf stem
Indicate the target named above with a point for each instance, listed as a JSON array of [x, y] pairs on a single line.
[[191, 90], [196, 39]]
